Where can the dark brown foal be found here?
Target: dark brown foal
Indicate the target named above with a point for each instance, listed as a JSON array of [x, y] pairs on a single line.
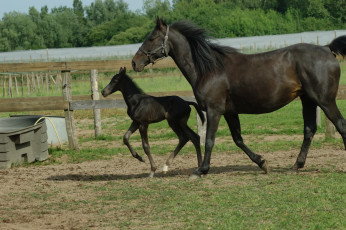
[[144, 109]]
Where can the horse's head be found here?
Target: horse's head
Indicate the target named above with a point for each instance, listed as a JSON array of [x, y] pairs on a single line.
[[153, 48], [115, 83]]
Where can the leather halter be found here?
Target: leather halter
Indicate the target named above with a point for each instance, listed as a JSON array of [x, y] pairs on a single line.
[[163, 49]]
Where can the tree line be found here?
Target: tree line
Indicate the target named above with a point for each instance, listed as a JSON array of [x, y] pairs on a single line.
[[110, 22]]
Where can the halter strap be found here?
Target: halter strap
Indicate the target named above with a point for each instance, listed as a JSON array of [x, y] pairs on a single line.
[[163, 47]]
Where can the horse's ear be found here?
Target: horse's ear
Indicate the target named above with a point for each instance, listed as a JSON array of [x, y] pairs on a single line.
[[158, 21], [161, 24]]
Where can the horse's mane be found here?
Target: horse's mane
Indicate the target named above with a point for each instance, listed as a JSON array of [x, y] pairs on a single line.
[[207, 56]]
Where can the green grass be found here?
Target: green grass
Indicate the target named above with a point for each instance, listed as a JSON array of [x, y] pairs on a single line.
[[257, 202], [240, 201]]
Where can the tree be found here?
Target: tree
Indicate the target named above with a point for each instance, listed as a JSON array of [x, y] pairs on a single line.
[[155, 8], [78, 10], [19, 31]]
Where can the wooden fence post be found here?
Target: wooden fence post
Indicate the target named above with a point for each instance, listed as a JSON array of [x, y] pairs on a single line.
[[22, 84], [318, 116], [69, 119], [16, 85], [4, 87], [10, 86], [38, 83], [330, 129], [202, 129], [47, 82], [95, 96], [58, 80], [28, 83], [33, 82]]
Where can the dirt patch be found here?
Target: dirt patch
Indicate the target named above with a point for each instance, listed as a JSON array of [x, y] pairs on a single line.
[[59, 185]]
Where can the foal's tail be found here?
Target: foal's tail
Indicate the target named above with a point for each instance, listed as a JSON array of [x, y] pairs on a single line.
[[338, 46], [198, 109]]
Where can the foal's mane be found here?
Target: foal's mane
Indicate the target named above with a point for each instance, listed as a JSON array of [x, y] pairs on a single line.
[[207, 56], [130, 83]]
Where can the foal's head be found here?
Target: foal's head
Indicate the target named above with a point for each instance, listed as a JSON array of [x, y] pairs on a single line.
[[115, 83]]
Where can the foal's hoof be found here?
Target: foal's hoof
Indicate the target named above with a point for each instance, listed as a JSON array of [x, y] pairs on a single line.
[[165, 169], [140, 159], [264, 166], [151, 175]]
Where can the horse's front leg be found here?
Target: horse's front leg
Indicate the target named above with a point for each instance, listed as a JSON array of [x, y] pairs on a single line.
[[143, 129], [134, 126], [213, 119]]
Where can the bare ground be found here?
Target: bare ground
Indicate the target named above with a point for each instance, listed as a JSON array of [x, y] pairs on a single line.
[[56, 185]]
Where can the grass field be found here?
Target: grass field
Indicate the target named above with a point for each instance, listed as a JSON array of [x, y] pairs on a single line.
[[103, 187]]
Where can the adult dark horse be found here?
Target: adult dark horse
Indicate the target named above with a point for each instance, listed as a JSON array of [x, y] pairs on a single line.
[[226, 82], [144, 109]]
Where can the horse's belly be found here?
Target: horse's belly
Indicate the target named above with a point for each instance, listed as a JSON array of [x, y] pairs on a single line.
[[264, 103]]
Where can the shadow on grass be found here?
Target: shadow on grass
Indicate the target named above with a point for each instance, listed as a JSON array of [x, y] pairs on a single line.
[[235, 169]]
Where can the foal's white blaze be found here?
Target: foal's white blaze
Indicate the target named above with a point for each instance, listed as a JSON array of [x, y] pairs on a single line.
[[165, 169]]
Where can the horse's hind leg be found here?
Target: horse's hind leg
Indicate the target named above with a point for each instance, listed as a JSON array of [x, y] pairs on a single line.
[[309, 116], [143, 129], [183, 139], [134, 126], [334, 115], [234, 125]]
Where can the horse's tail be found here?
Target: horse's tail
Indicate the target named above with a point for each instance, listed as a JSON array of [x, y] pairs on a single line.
[[198, 109], [338, 46]]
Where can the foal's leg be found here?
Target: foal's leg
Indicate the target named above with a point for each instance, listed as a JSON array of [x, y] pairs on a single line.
[[310, 127], [143, 129], [183, 139], [195, 139], [134, 126], [234, 125]]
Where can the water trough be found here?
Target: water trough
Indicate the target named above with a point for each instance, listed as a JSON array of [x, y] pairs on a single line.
[[21, 140]]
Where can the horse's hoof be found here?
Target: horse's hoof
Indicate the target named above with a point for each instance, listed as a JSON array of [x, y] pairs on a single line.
[[297, 166], [195, 175], [294, 167], [265, 167]]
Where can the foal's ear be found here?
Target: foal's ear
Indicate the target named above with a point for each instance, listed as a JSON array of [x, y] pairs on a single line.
[[122, 70]]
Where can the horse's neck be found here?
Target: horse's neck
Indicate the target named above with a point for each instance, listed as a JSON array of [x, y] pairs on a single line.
[[181, 54], [129, 89]]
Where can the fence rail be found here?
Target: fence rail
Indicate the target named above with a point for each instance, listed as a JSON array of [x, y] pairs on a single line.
[[112, 65], [62, 80]]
